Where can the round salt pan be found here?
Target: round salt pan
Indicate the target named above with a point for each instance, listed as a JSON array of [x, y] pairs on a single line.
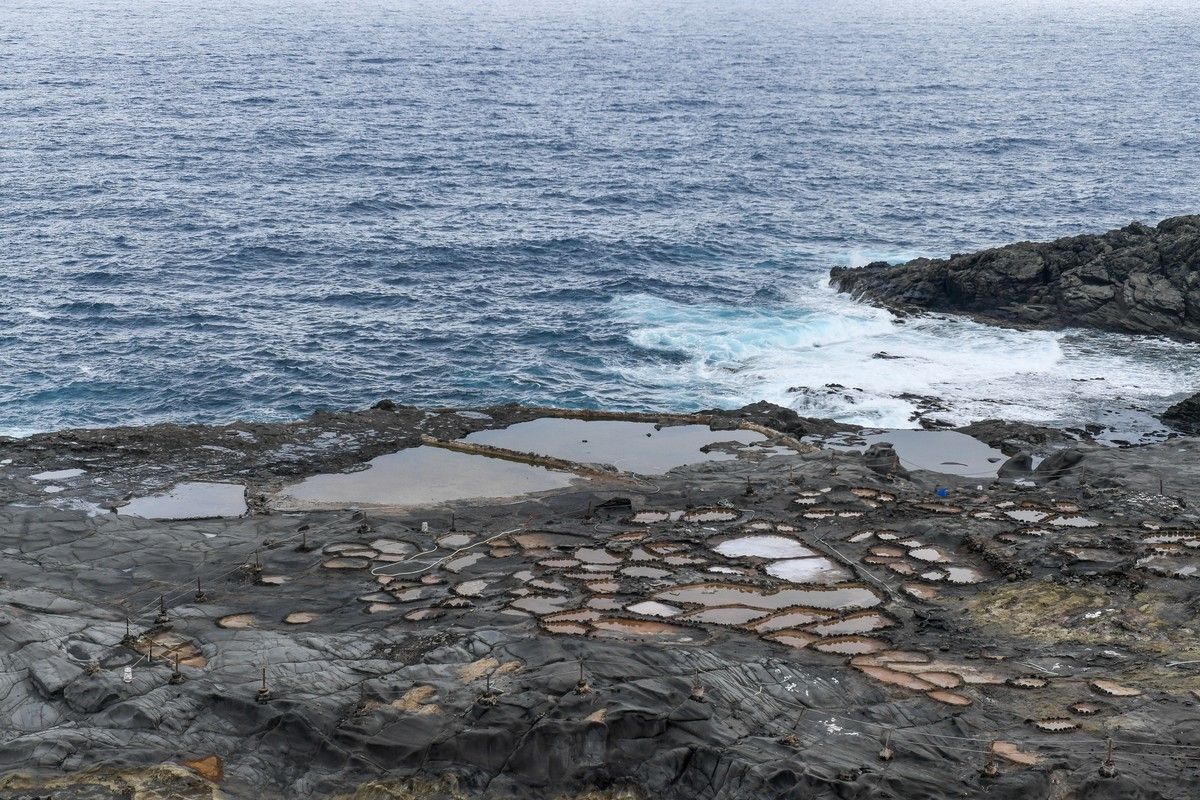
[[963, 575], [645, 572], [457, 565], [653, 608], [931, 555], [337, 548], [273, 580], [942, 680], [862, 491], [708, 594], [725, 615], [1055, 725], [538, 604], [808, 570], [1027, 515], [1074, 522], [300, 617], [1010, 751], [1114, 689], [560, 563], [347, 563], [711, 515], [861, 536], [790, 619], [236, 621], [1086, 709], [471, 588], [1028, 682], [361, 552], [650, 517], [949, 698], [566, 628], [604, 587], [920, 591], [576, 615], [857, 623], [592, 555], [763, 547], [454, 540], [379, 608], [604, 603], [902, 568], [893, 678], [795, 639], [611, 627], [850, 645], [392, 547], [887, 551]]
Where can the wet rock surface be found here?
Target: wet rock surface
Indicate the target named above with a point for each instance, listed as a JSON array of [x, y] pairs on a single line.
[[761, 626], [1185, 415], [1137, 279]]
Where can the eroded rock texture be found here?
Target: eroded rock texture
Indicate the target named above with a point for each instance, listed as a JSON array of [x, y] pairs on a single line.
[[1137, 279]]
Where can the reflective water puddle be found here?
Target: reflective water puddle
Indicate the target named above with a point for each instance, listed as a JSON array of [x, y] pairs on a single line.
[[628, 446], [761, 546], [726, 594], [196, 500], [808, 570], [420, 476], [948, 452]]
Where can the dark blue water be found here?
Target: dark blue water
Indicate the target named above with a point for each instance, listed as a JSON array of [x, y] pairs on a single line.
[[211, 211]]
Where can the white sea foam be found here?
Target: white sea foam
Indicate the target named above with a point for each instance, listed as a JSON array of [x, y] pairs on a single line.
[[792, 355]]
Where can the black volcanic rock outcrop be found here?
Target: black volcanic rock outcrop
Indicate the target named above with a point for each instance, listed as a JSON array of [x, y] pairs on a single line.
[[1137, 279], [1184, 415]]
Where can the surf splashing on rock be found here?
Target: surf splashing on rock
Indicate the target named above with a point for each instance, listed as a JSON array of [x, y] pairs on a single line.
[[828, 356]]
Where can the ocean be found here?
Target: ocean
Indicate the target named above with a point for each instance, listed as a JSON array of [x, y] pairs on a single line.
[[213, 211]]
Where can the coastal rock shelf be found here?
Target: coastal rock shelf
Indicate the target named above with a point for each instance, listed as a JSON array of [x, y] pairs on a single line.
[[802, 601], [1137, 279]]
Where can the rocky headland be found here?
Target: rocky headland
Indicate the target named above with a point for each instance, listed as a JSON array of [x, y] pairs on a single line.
[[1136, 279]]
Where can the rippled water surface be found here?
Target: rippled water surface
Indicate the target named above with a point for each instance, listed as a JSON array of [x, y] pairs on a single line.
[[214, 210]]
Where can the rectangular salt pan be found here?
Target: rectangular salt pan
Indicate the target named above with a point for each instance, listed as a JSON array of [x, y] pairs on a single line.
[[191, 501]]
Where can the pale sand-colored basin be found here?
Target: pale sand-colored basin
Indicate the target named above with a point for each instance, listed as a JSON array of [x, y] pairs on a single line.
[[420, 476]]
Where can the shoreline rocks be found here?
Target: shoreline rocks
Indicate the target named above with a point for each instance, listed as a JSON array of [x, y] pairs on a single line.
[[1137, 279], [1184, 415]]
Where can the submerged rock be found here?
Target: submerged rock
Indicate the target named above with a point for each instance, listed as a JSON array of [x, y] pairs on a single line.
[[1136, 279]]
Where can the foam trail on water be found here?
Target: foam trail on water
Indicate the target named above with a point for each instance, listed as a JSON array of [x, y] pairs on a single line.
[[827, 355]]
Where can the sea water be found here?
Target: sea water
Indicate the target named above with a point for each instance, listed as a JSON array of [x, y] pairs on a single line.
[[216, 210]]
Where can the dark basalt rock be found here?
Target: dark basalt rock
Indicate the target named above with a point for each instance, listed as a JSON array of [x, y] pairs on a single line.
[[1184, 415], [780, 418], [1058, 464], [1020, 465], [881, 457], [1136, 279]]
